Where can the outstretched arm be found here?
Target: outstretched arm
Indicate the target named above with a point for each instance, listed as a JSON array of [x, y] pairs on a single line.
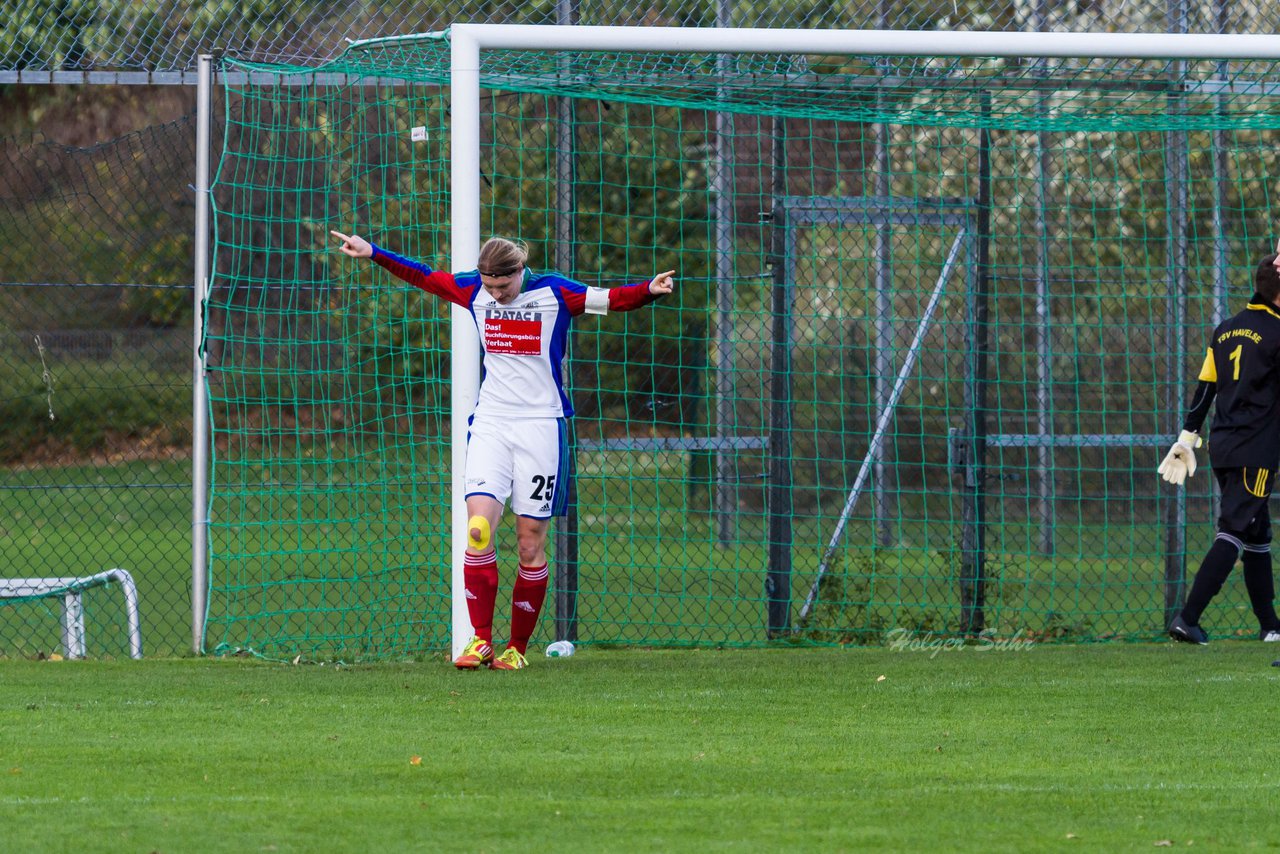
[[414, 272], [625, 298]]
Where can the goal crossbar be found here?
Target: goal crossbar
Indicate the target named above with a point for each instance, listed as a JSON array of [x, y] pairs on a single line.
[[468, 38]]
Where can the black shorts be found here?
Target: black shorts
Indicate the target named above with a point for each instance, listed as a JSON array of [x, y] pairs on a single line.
[[1244, 513]]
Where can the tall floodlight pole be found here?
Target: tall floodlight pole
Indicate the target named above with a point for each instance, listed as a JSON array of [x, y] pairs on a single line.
[[199, 395], [464, 354]]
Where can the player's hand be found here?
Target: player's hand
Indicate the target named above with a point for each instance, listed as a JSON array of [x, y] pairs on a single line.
[[662, 283], [354, 245], [1180, 463]]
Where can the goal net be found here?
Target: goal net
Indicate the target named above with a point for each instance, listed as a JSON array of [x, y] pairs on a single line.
[[937, 319]]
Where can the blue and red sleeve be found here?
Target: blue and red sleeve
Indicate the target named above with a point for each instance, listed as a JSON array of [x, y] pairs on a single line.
[[630, 297], [576, 296], [421, 276]]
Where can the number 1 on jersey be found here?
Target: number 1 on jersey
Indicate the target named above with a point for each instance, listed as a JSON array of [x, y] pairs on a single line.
[[1235, 360]]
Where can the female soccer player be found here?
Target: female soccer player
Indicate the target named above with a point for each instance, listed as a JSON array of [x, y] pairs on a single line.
[[517, 443]]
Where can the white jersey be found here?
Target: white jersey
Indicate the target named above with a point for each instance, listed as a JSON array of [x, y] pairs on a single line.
[[524, 345], [524, 340]]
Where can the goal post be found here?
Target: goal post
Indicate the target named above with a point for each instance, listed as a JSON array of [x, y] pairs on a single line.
[[464, 165], [1111, 227]]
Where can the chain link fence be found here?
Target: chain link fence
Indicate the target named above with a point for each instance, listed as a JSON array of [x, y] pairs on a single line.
[[95, 387], [95, 269]]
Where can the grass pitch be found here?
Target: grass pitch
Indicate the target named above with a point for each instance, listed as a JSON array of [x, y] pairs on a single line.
[[1056, 748]]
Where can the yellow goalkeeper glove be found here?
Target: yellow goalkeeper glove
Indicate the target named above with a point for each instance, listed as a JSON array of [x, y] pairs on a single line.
[[1180, 463]]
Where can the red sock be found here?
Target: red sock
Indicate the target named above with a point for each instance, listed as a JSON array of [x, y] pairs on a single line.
[[526, 604], [480, 577]]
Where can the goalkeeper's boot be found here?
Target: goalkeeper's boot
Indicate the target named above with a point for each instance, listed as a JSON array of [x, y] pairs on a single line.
[[511, 659], [478, 653], [1269, 635], [1181, 630]]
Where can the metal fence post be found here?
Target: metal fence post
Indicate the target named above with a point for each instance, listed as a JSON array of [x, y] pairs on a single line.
[[199, 396], [777, 586], [973, 547]]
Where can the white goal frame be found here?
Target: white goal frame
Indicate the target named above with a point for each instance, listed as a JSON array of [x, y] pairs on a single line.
[[70, 589], [467, 41]]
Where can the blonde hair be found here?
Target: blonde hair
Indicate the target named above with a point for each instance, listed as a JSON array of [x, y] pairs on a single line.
[[501, 257]]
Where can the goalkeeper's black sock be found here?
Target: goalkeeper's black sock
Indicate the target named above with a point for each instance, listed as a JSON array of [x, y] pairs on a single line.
[[1214, 569], [1261, 586]]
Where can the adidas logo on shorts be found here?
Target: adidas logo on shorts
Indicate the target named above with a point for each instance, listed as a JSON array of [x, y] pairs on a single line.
[[545, 508]]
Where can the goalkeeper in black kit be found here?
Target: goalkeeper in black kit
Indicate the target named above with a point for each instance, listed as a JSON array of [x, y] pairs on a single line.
[[1240, 381]]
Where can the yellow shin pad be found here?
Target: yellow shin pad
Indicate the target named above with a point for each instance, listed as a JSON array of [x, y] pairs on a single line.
[[478, 533]]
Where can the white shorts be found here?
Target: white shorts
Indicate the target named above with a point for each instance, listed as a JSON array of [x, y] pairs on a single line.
[[526, 460]]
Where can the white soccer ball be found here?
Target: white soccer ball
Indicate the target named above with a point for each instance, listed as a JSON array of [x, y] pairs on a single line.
[[559, 649]]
